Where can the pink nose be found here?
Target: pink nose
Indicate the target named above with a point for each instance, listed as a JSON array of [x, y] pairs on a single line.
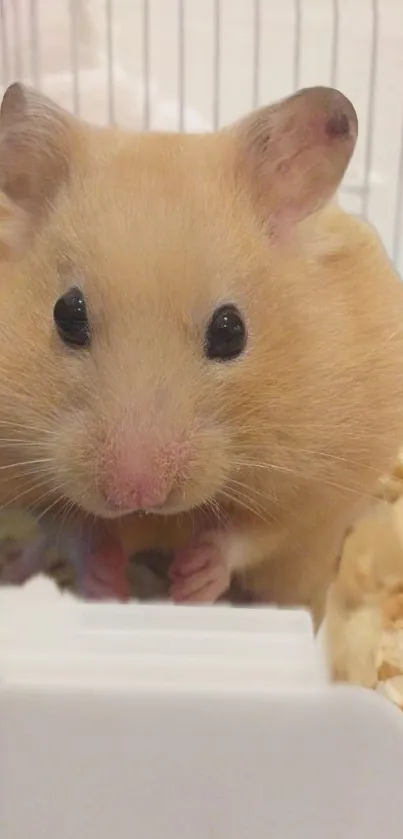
[[135, 475], [136, 491]]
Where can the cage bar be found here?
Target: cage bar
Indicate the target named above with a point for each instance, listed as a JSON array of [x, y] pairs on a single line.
[[74, 56], [297, 42], [110, 61], [371, 106], [334, 55], [146, 65], [17, 38], [256, 54], [5, 53], [181, 63], [217, 64], [35, 43]]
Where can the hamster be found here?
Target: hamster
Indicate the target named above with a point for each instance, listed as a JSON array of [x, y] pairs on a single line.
[[192, 328]]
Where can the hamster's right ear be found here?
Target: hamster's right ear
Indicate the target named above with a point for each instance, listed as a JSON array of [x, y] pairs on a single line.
[[36, 143], [291, 156]]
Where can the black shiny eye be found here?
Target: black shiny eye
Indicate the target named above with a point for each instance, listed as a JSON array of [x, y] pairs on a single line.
[[71, 319], [226, 334]]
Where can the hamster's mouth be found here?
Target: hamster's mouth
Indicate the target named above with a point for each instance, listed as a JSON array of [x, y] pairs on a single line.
[[110, 512]]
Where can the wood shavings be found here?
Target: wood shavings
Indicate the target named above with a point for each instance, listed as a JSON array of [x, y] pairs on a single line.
[[365, 606]]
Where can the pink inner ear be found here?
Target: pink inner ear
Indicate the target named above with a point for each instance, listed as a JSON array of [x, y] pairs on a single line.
[[35, 149], [337, 126], [294, 154]]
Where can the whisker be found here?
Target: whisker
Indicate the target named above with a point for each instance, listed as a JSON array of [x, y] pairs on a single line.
[[265, 496], [32, 488], [235, 498], [291, 513], [67, 515], [269, 467], [28, 427], [51, 506], [25, 463], [337, 459], [214, 508], [8, 442], [356, 488], [245, 491]]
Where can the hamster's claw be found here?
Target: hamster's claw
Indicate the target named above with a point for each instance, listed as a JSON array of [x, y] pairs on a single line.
[[200, 573]]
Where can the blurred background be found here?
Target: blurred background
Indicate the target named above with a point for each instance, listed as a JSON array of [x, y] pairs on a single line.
[[195, 65]]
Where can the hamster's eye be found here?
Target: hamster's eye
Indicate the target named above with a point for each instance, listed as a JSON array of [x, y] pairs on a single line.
[[226, 334], [71, 319]]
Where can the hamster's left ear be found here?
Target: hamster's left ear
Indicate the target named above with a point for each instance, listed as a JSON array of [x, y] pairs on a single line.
[[292, 155], [37, 139]]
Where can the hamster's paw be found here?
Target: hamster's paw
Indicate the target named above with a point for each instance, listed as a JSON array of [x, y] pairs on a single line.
[[103, 573], [20, 562], [200, 573], [97, 585]]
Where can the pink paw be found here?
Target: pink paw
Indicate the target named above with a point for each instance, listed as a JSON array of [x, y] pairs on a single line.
[[104, 569], [200, 573]]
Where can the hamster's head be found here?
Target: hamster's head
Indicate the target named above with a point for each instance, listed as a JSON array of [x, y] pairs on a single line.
[[151, 343]]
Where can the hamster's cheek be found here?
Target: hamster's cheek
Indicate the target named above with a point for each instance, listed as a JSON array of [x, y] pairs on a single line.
[[208, 465], [74, 459]]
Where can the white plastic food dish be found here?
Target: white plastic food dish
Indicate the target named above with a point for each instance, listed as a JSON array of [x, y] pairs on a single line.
[[164, 722]]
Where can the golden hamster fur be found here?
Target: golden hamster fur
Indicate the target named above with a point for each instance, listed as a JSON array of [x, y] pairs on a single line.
[[191, 329]]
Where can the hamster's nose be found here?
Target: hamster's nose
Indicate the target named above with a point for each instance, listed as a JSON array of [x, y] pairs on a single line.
[[140, 483], [140, 491]]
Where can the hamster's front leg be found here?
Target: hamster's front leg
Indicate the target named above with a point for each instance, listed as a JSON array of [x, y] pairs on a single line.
[[99, 560], [201, 572]]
